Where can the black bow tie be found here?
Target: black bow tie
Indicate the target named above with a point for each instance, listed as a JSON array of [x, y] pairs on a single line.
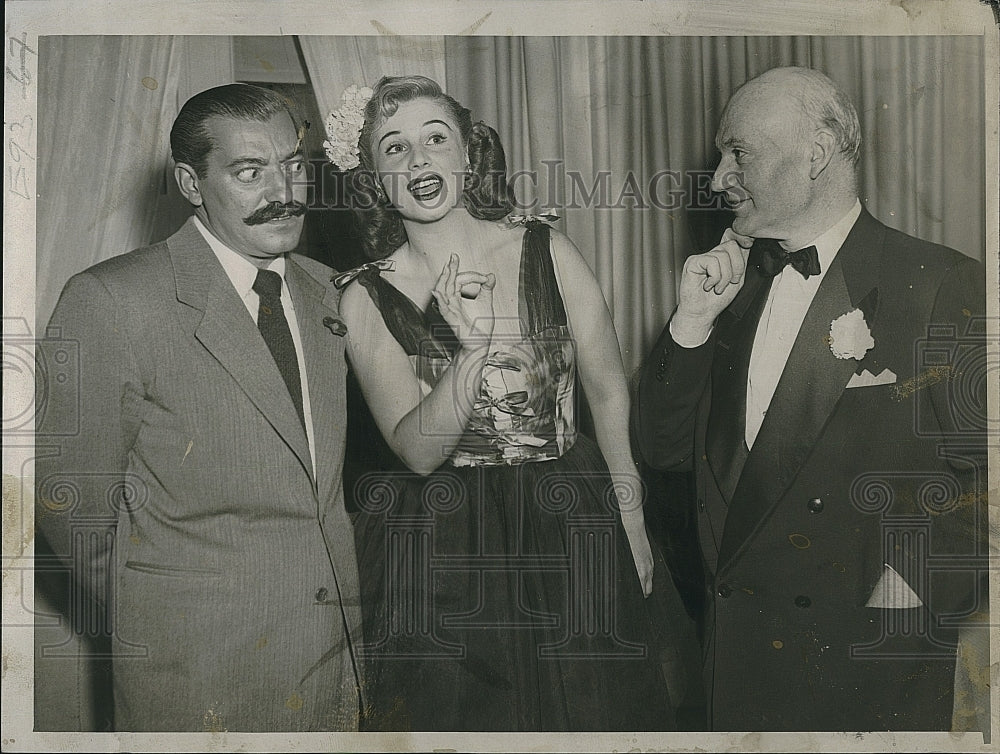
[[773, 259]]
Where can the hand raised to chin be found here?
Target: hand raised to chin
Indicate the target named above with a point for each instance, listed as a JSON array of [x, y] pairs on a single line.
[[709, 283]]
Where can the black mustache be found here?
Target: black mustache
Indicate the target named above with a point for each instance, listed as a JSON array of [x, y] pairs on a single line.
[[275, 211]]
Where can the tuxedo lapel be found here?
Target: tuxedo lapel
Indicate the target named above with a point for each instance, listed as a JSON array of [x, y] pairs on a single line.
[[735, 332], [228, 332], [810, 386], [323, 354]]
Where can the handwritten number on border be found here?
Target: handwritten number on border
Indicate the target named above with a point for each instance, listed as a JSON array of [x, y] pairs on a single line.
[[19, 48], [19, 133]]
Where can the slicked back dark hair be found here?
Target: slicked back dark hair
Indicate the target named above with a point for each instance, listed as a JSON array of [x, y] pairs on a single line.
[[190, 141]]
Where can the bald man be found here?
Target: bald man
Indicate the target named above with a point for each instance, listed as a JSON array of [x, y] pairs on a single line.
[[819, 376]]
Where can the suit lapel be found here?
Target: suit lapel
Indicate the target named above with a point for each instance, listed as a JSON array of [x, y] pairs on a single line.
[[810, 386], [323, 356], [323, 344], [228, 332]]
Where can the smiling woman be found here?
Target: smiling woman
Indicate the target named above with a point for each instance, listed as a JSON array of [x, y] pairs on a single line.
[[504, 581], [404, 155]]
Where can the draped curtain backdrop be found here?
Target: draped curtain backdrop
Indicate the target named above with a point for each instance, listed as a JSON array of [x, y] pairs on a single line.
[[590, 125], [616, 134], [104, 180], [623, 109], [335, 63]]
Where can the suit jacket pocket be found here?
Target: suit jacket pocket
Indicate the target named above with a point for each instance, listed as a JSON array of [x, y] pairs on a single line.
[[166, 610], [174, 571], [857, 402]]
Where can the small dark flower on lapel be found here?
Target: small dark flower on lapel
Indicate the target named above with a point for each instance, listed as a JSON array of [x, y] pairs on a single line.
[[335, 326]]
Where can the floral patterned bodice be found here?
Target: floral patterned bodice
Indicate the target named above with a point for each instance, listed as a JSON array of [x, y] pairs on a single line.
[[525, 408]]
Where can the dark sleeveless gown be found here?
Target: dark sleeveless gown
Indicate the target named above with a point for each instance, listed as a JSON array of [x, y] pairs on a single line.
[[499, 592]]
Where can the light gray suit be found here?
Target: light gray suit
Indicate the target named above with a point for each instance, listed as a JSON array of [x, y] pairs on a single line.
[[177, 479]]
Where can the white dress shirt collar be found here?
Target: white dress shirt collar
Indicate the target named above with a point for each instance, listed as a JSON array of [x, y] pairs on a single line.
[[784, 311], [828, 243], [240, 270], [242, 273]]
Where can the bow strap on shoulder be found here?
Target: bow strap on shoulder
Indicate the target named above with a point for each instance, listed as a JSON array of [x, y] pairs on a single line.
[[547, 217], [343, 279]]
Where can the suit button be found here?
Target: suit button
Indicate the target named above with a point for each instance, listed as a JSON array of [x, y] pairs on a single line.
[[802, 601], [322, 594], [725, 590], [701, 505], [815, 505]]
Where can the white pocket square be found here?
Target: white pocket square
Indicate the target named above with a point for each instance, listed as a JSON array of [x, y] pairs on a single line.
[[893, 592], [867, 379]]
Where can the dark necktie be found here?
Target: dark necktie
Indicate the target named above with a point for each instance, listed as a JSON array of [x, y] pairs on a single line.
[[773, 259], [274, 327]]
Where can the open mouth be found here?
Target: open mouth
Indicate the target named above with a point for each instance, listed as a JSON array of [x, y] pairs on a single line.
[[426, 188]]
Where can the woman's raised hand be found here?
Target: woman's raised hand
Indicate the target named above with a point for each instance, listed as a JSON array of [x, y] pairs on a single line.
[[465, 300]]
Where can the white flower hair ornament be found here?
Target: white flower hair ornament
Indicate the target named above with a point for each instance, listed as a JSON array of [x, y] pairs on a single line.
[[343, 127], [850, 337]]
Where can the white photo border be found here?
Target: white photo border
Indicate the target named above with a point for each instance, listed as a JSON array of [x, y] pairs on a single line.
[[27, 20]]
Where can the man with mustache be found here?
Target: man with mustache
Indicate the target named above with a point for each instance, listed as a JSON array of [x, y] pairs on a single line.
[[200, 504], [827, 388]]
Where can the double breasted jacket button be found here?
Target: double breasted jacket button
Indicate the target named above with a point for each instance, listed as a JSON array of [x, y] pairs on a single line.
[[802, 601], [322, 594], [815, 505], [701, 505], [725, 590]]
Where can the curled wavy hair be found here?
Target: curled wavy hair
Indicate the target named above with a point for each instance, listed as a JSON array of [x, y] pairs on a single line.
[[487, 194]]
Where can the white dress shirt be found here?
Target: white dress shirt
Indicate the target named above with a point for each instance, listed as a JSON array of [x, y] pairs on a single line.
[[242, 273], [785, 309]]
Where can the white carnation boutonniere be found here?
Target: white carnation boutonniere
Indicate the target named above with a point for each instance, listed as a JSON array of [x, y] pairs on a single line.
[[850, 337], [343, 127]]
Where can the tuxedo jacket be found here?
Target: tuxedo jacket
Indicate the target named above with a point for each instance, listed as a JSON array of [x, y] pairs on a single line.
[[174, 475], [862, 465]]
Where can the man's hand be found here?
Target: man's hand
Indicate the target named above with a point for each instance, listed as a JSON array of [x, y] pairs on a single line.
[[709, 283]]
